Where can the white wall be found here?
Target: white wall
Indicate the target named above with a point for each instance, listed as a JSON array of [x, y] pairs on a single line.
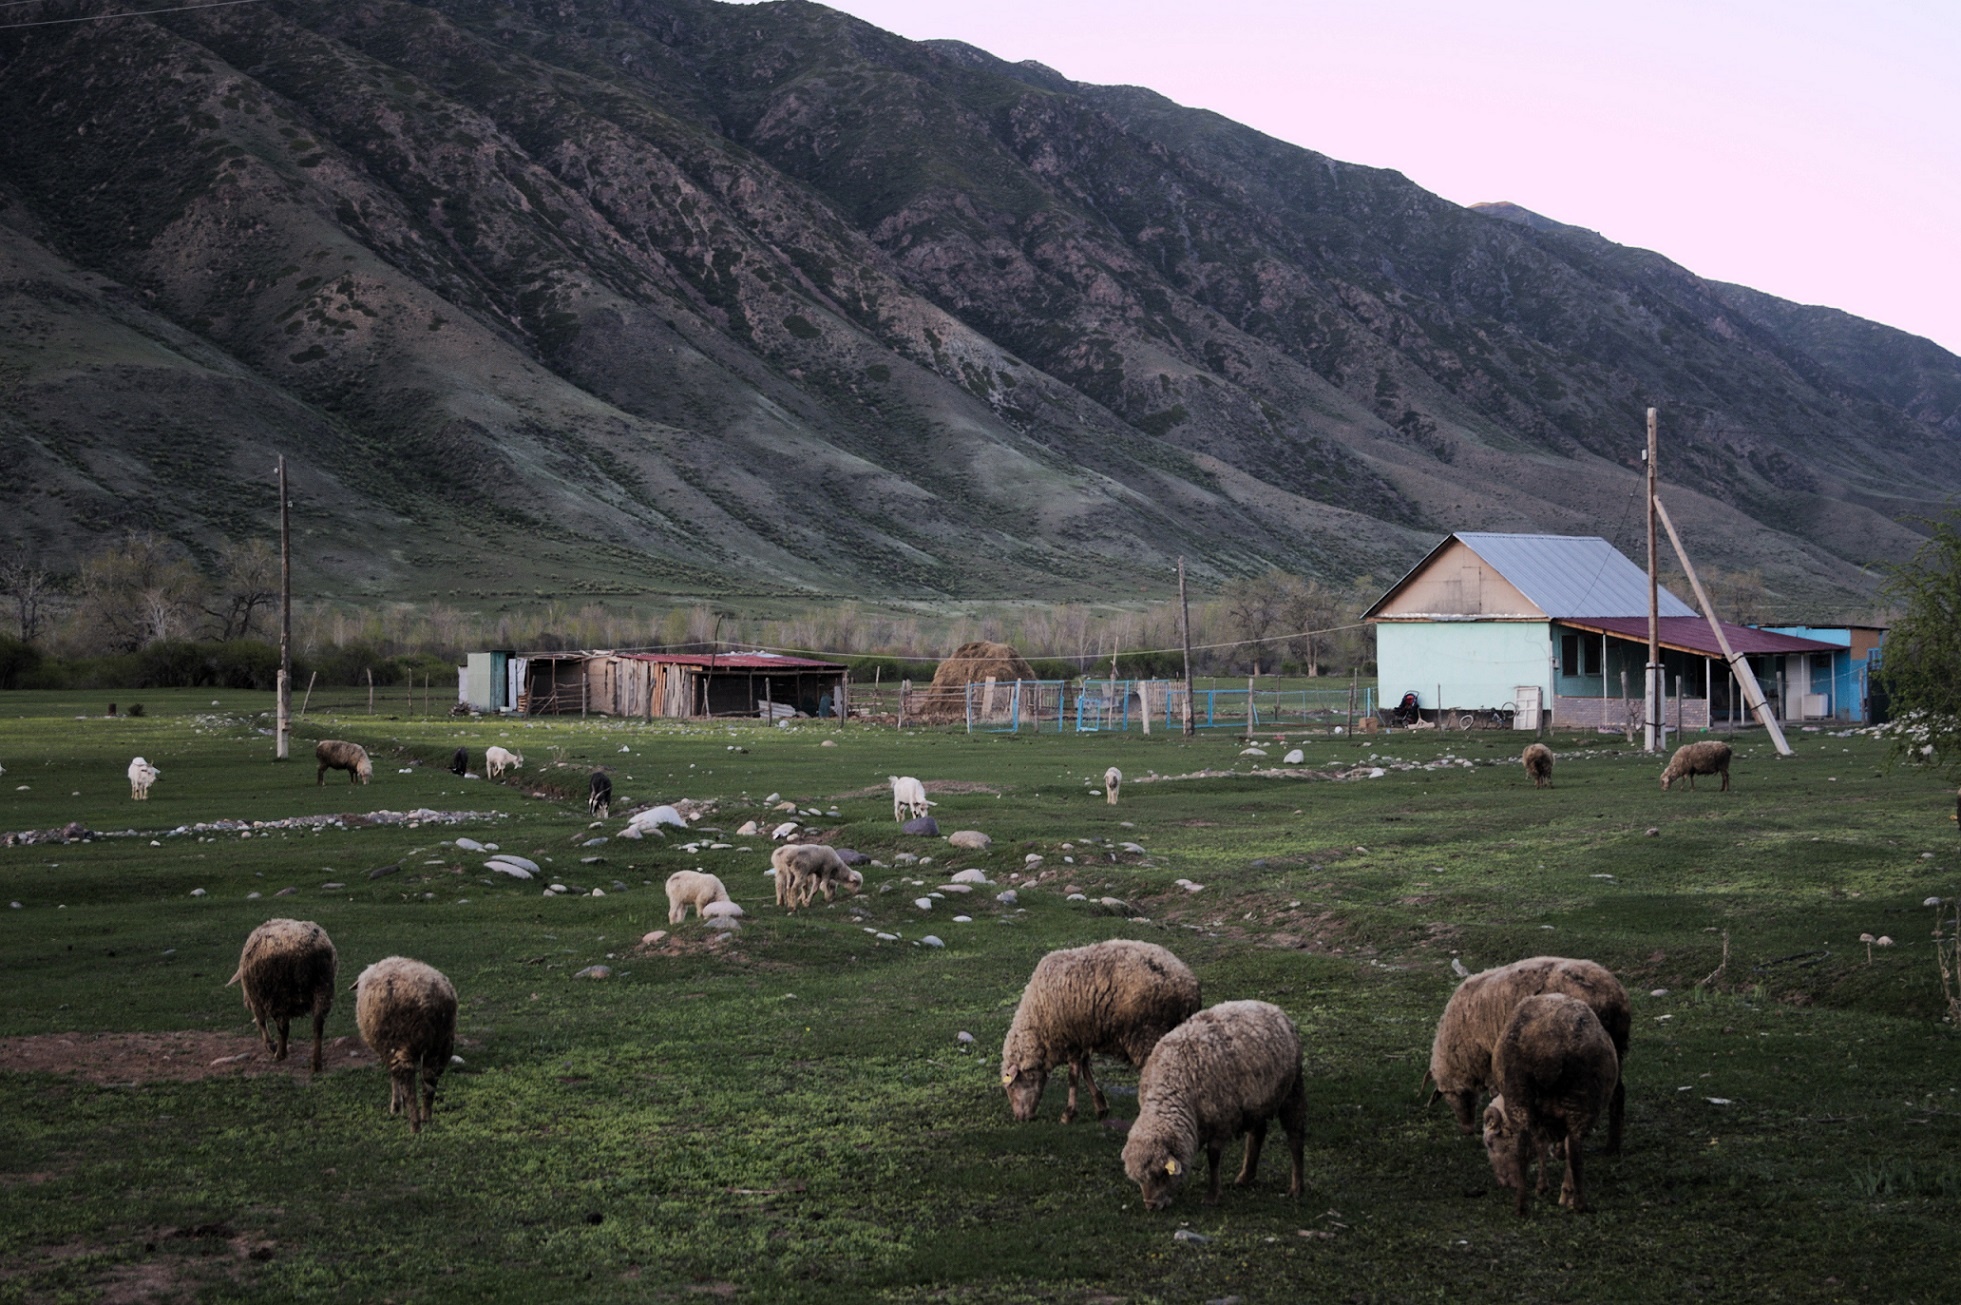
[[1477, 663]]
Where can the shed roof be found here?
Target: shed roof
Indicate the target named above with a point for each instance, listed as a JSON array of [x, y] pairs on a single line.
[[1562, 575], [733, 661], [1691, 634]]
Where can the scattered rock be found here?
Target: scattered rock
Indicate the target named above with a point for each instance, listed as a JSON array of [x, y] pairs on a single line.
[[595, 972], [784, 830], [1135, 849], [970, 876], [1294, 758], [593, 842], [197, 892], [850, 857], [599, 892], [721, 911], [956, 888], [931, 940], [286, 892], [252, 897], [523, 863], [331, 887], [1252, 752], [748, 830], [470, 845], [828, 743], [963, 919], [970, 840], [1187, 1235], [653, 939], [923, 903], [1075, 897], [964, 1036], [505, 868], [887, 937], [923, 827], [1007, 898], [1658, 992], [383, 871], [1653, 832]]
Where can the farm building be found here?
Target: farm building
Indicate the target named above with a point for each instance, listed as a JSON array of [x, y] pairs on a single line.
[[1844, 678], [1559, 624], [647, 685]]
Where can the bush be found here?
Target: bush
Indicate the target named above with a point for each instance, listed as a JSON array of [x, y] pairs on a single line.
[[18, 663]]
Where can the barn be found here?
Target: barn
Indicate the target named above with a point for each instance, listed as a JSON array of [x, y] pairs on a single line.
[[647, 685]]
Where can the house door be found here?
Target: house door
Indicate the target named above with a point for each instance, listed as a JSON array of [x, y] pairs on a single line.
[[1526, 696]]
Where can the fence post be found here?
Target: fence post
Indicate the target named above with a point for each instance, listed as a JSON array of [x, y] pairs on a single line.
[[905, 688]]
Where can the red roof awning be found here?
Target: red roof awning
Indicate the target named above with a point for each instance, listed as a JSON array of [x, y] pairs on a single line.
[[1691, 634]]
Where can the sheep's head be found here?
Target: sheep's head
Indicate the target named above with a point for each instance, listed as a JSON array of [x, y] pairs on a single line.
[[1024, 1084], [1501, 1145], [1157, 1172], [365, 769], [1463, 1102]]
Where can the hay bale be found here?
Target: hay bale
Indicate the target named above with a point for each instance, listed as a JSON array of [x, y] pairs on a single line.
[[945, 700]]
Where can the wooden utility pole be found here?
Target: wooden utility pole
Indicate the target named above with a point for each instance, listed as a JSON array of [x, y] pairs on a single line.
[[1739, 666], [283, 726], [1651, 694], [1185, 632]]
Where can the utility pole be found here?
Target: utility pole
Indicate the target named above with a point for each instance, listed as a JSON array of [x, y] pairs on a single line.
[[1650, 700], [1185, 630], [283, 727]]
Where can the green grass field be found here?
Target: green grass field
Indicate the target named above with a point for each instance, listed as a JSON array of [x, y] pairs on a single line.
[[790, 1114]]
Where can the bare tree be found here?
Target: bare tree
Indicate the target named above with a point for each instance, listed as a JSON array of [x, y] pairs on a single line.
[[31, 586], [1254, 607], [139, 591], [248, 582], [1311, 609]]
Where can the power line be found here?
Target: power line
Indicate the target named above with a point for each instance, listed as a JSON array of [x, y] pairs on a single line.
[[127, 13]]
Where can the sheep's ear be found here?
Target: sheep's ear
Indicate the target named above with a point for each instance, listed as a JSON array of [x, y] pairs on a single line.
[[1425, 1082], [1008, 1077], [1171, 1167]]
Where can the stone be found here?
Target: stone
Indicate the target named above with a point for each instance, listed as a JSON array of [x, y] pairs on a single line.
[[887, 937], [970, 840], [721, 911], [504, 868], [595, 972], [331, 887], [1294, 758], [963, 919], [956, 888], [197, 892], [252, 897], [1135, 849], [599, 892], [725, 923], [286, 892], [653, 939], [964, 1037], [593, 842], [1007, 898], [1187, 1235], [1252, 752], [931, 940], [784, 830], [923, 827], [469, 845], [1075, 897], [970, 877], [559, 888], [828, 743], [1032, 860], [923, 903], [521, 862], [748, 830], [383, 871], [850, 857], [591, 860]]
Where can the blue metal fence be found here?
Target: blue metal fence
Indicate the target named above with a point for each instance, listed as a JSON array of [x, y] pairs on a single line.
[[1160, 705]]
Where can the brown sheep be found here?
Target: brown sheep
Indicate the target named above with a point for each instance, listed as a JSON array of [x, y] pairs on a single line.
[[1710, 757], [287, 968], [803, 869], [1113, 998], [1475, 1016], [1225, 1071], [1538, 764], [1556, 1072], [334, 754], [406, 1012]]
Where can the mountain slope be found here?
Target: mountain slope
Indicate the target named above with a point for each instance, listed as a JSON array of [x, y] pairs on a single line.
[[677, 297]]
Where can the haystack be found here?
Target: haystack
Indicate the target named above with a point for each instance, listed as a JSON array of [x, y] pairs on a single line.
[[971, 663]]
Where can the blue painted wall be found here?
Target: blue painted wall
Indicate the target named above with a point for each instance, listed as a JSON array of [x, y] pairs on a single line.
[[1846, 681], [1476, 663]]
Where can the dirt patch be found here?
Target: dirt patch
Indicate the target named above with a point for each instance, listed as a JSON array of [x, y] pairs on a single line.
[[184, 1056], [932, 786]]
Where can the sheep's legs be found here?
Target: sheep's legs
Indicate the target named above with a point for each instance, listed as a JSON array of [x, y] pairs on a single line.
[[1569, 1191], [1616, 1111], [1255, 1139], [319, 1032], [1293, 1118], [1069, 1111], [285, 1028], [1523, 1156], [1096, 1097]]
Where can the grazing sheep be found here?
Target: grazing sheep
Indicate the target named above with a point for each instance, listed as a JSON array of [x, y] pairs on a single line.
[[1556, 1072], [141, 775], [333, 754], [497, 760], [694, 888], [1112, 781], [459, 762], [1709, 757], [406, 1012], [1538, 764], [1475, 1016], [599, 795], [1225, 1071], [287, 968], [1113, 998], [908, 797], [803, 869]]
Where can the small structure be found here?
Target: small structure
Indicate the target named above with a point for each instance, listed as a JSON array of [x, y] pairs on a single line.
[[1556, 626], [1837, 685], [490, 681], [678, 685]]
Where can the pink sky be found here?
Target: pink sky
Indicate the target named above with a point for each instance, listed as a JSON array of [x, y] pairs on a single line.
[[1808, 148]]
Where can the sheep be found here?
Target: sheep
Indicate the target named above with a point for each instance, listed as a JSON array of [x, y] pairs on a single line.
[[694, 888], [1556, 1071], [287, 968], [1710, 757], [599, 795], [406, 1012], [497, 760], [1114, 998], [1538, 764], [333, 754], [908, 797], [802, 869], [1476, 1014], [459, 762], [1112, 781], [141, 775], [1225, 1071]]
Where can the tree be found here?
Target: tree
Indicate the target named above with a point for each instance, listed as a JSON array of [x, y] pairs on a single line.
[[139, 591], [1254, 607], [1920, 664], [1312, 610], [30, 586], [248, 580]]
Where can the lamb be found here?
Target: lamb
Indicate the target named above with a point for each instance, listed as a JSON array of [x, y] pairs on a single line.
[[802, 869], [1113, 998], [459, 762], [333, 754], [1538, 764], [1475, 1016], [141, 775], [497, 760], [1556, 1071], [908, 797], [599, 795], [287, 968], [1225, 1071], [694, 888], [1112, 781], [1710, 757], [406, 1012]]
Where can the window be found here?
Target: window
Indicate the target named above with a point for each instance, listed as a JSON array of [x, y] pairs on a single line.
[[1593, 651], [1569, 654]]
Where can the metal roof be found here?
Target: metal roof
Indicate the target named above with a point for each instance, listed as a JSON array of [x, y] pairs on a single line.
[[1563, 575], [735, 661], [1691, 634]]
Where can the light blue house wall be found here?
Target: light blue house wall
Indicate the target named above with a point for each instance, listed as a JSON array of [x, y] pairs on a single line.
[[1846, 680], [1474, 663]]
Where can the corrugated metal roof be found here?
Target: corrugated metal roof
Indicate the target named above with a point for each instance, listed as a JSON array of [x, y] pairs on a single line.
[[1571, 575], [735, 661], [1691, 634]]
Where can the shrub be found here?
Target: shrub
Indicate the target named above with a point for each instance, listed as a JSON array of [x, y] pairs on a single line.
[[18, 663]]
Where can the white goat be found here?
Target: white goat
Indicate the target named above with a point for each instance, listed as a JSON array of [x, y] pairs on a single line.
[[1112, 781], [498, 760], [141, 775], [908, 797]]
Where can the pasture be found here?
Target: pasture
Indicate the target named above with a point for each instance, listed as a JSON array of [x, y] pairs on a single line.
[[790, 1114]]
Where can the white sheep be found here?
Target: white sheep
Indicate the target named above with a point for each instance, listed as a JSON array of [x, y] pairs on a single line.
[[406, 1012], [1112, 781], [694, 888], [497, 760], [141, 775], [908, 797], [804, 869], [286, 969]]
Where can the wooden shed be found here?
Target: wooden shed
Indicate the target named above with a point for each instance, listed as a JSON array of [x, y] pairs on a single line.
[[679, 685]]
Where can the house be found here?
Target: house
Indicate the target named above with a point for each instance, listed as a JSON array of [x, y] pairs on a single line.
[[1843, 680], [1558, 624], [648, 685]]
